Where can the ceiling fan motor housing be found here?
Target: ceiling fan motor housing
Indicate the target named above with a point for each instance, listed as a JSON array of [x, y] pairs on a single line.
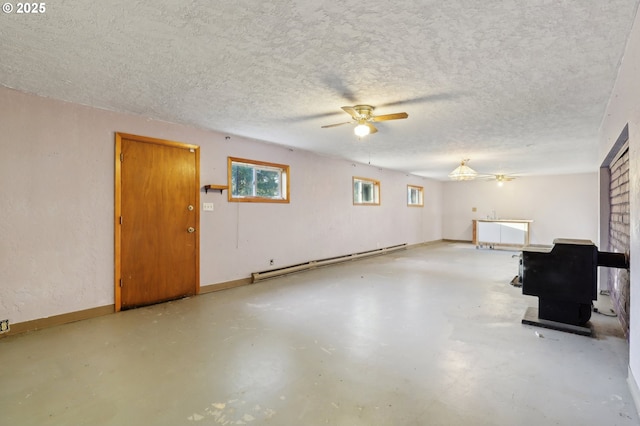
[[365, 111]]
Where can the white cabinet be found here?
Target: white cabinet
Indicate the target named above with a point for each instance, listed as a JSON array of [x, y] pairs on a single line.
[[488, 231], [514, 233], [501, 232]]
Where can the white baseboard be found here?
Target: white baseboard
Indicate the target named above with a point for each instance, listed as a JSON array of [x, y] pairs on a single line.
[[635, 390]]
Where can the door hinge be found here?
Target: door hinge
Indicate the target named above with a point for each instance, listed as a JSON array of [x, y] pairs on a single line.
[[121, 157], [120, 220], [120, 282]]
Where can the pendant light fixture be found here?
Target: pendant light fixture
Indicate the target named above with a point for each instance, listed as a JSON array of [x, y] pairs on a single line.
[[463, 172]]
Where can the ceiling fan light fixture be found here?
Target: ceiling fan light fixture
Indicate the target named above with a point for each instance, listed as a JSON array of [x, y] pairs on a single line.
[[361, 130], [501, 179], [362, 116], [463, 172]]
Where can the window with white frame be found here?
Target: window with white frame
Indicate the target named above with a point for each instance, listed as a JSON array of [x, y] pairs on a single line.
[[366, 191], [257, 181], [415, 196]]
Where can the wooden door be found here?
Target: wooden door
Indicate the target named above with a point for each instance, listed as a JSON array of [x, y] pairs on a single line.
[[157, 218]]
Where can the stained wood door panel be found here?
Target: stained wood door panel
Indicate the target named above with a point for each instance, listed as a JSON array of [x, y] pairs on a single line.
[[159, 247]]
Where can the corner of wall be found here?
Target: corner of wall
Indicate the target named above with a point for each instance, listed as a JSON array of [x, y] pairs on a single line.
[[634, 389]]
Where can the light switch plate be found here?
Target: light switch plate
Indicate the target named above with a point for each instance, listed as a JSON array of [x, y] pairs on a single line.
[[207, 207]]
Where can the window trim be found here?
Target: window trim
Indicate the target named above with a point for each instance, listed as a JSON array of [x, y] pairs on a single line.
[[420, 192], [285, 171], [376, 193]]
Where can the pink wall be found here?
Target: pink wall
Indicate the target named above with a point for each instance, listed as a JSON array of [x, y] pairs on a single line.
[[57, 192], [563, 206], [623, 109], [320, 220]]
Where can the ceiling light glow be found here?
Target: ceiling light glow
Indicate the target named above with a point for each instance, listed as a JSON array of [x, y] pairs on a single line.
[[361, 130]]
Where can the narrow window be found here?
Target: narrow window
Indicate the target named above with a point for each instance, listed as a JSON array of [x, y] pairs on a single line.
[[257, 181], [366, 191], [415, 196]]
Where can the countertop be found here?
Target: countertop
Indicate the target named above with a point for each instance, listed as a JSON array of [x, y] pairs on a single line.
[[504, 220]]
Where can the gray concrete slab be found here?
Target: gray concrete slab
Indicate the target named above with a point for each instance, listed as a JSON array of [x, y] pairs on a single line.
[[427, 336]]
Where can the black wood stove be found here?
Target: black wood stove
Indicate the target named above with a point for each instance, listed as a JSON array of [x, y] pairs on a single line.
[[564, 277]]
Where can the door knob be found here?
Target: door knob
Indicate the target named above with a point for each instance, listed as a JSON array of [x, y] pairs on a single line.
[[191, 229]]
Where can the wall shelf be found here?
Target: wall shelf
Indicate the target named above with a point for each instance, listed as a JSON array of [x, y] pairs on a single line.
[[220, 188]]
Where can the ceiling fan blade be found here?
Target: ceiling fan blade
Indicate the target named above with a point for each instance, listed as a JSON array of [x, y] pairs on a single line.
[[435, 97], [336, 125], [351, 111], [372, 128], [396, 116]]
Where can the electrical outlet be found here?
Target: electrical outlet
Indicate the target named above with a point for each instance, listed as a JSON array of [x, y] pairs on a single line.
[[271, 262], [4, 326]]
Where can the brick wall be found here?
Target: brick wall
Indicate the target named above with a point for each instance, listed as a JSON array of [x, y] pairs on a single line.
[[619, 232]]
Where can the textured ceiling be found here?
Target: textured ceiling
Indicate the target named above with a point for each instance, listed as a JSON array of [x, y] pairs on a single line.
[[517, 86]]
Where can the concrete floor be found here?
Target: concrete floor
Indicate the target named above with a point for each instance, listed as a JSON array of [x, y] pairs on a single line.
[[426, 336]]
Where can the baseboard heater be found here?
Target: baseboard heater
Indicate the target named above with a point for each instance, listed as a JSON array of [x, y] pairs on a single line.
[[271, 273]]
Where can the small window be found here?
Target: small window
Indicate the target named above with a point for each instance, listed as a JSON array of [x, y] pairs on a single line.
[[366, 191], [257, 181], [415, 196]]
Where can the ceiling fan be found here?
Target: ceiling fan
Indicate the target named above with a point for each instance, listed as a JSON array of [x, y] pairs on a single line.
[[503, 178], [363, 116], [464, 172]]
